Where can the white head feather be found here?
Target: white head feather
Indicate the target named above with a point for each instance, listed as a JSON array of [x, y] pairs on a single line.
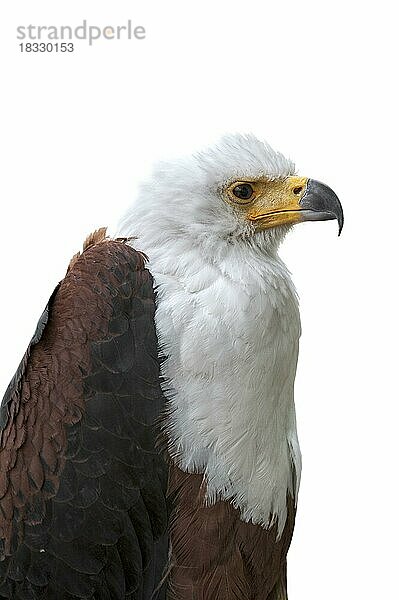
[[183, 197]]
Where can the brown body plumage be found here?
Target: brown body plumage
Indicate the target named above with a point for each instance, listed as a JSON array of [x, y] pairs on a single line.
[[215, 555]]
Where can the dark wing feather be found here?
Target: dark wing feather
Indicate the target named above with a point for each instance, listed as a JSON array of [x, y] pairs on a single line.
[[83, 510]]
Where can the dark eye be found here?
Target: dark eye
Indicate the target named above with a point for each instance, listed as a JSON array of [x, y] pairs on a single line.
[[243, 191]]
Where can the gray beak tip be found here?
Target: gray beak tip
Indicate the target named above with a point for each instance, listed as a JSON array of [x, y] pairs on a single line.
[[323, 202]]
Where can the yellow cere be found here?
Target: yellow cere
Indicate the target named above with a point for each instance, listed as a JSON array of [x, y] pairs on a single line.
[[272, 202]]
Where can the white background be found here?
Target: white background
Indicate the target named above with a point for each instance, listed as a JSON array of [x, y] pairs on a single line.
[[318, 81]]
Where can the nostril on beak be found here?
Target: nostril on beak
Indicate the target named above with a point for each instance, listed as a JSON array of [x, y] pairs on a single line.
[[298, 190]]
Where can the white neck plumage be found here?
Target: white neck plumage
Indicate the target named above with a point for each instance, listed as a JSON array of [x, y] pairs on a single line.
[[227, 319]]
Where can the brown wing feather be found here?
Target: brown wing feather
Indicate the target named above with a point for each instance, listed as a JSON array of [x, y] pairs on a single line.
[[83, 510]]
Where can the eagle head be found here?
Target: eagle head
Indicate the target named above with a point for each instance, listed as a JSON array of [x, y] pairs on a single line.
[[238, 189]]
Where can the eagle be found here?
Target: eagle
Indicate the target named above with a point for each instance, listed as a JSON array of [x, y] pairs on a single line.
[[148, 443]]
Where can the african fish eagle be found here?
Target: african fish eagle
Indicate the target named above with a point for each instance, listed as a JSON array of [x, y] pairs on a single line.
[[148, 438]]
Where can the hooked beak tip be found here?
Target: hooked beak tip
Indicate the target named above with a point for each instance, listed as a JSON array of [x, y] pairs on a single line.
[[322, 201]]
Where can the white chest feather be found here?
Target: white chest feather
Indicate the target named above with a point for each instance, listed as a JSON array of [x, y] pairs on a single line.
[[230, 332]]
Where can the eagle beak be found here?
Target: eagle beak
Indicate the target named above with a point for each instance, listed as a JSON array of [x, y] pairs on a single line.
[[320, 203], [293, 200]]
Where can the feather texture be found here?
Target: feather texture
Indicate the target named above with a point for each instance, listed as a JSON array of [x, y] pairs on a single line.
[[215, 555], [228, 324], [82, 487]]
